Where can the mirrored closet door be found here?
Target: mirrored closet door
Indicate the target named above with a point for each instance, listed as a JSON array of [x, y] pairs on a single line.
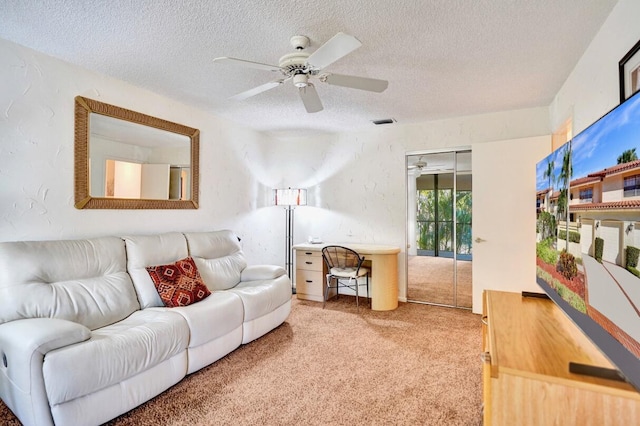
[[439, 245]]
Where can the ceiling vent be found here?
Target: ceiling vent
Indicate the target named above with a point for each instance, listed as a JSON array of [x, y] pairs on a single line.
[[384, 121]]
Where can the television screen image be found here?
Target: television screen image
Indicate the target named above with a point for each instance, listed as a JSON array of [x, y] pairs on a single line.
[[588, 233]]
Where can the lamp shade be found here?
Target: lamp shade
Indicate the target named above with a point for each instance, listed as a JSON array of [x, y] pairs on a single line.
[[290, 197]]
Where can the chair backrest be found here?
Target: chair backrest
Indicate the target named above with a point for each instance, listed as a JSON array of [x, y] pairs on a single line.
[[341, 257]]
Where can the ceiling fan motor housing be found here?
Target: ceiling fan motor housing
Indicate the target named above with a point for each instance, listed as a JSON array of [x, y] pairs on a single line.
[[294, 63]]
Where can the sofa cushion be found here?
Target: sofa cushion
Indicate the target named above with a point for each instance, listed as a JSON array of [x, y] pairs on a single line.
[[150, 250], [218, 256], [83, 281], [179, 283], [263, 296], [212, 244], [223, 273], [217, 315], [114, 353]]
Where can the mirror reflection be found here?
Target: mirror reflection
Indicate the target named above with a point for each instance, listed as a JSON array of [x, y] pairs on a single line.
[[129, 160], [126, 159]]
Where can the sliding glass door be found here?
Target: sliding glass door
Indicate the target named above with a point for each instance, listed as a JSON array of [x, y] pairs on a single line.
[[439, 195]]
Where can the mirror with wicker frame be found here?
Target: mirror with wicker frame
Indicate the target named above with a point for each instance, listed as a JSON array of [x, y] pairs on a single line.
[[117, 139]]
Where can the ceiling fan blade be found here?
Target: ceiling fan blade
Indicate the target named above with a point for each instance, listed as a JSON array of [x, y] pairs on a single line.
[[256, 90], [248, 64], [310, 98], [362, 83], [338, 46]]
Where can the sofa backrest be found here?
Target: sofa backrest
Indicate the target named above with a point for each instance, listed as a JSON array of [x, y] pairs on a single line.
[[218, 256], [152, 250], [84, 281]]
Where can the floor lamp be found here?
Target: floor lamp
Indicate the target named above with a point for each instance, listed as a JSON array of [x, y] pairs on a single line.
[[289, 198]]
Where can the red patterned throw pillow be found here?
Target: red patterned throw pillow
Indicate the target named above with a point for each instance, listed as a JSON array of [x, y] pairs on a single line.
[[179, 284]]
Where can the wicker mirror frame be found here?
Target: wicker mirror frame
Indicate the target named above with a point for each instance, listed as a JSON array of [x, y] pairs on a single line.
[[83, 199]]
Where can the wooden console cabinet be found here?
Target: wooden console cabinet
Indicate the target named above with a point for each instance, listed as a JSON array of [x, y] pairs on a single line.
[[528, 343]]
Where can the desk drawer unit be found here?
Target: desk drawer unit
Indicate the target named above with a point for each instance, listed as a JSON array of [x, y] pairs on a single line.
[[310, 275]]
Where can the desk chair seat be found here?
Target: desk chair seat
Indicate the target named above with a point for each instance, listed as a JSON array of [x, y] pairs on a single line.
[[345, 267]]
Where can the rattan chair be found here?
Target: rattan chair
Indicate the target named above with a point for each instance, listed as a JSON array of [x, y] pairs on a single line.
[[344, 267]]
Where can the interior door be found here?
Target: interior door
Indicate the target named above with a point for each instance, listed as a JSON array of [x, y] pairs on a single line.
[[504, 215], [439, 228], [154, 182]]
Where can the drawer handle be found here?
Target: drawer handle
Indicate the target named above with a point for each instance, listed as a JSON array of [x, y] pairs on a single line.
[[309, 263], [309, 281], [308, 252]]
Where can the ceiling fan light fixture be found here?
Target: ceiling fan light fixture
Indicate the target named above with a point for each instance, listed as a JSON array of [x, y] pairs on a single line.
[[301, 80]]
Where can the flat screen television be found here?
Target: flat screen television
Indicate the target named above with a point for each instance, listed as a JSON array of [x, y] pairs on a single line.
[[588, 234]]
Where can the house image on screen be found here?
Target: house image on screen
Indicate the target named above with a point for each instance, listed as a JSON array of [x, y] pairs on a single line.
[[606, 204], [603, 204]]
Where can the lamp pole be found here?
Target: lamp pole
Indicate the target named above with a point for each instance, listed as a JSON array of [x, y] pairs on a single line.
[[288, 241], [289, 198]]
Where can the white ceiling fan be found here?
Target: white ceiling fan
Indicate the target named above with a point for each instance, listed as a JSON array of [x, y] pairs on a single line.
[[421, 166], [301, 67]]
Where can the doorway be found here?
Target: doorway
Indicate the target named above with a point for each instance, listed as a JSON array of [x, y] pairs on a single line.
[[439, 245]]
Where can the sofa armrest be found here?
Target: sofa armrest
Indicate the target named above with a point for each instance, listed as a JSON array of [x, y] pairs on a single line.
[[23, 345], [41, 334], [262, 272]]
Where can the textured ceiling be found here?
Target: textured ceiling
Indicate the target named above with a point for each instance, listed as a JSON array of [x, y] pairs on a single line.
[[442, 58]]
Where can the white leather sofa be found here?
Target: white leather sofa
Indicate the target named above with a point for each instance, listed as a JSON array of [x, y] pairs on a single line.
[[85, 337]]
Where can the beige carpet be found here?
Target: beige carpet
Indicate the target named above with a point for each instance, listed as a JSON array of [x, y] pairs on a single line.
[[430, 279], [417, 365]]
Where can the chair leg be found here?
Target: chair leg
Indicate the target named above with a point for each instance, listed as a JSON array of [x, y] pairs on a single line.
[[357, 303], [326, 291]]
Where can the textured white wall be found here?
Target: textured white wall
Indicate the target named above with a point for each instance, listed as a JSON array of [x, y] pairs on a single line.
[[356, 181], [36, 161], [592, 88]]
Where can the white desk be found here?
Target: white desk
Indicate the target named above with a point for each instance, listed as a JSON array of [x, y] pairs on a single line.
[[382, 259]]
